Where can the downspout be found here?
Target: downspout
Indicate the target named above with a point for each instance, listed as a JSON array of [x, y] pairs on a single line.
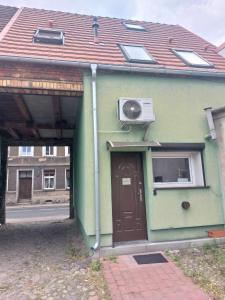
[[96, 161], [212, 130]]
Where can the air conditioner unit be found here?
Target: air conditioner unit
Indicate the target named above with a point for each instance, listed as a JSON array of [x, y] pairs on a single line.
[[135, 110]]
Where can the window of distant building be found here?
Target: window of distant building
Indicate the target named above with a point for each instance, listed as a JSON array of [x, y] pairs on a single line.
[[49, 151], [67, 151], [49, 179], [67, 178], [26, 151]]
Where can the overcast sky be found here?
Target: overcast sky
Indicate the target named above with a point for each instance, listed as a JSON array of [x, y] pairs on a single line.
[[204, 17]]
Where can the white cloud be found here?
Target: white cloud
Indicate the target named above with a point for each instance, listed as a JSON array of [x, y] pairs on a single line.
[[204, 17]]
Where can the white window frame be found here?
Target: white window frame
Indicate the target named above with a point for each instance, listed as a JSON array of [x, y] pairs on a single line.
[[67, 152], [66, 185], [21, 153], [195, 168], [136, 60], [206, 65], [43, 179], [44, 151]]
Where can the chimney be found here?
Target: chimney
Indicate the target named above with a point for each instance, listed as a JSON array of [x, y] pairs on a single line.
[[50, 23], [95, 27]]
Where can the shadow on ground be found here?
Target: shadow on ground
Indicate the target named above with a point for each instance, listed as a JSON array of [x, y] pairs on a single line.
[[42, 261]]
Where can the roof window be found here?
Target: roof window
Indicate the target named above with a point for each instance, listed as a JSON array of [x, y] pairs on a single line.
[[49, 36], [134, 26], [136, 54], [191, 58]]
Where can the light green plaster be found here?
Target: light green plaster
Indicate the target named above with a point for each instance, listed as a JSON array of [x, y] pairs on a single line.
[[178, 105]]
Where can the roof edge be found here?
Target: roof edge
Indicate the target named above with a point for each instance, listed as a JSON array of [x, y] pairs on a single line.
[[129, 69], [10, 23]]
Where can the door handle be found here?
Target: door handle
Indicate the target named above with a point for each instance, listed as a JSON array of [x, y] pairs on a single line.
[[140, 195]]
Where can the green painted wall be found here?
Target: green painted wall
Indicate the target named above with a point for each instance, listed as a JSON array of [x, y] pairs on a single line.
[[178, 105]]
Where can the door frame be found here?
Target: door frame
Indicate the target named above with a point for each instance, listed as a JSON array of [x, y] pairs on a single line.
[[144, 190], [17, 182]]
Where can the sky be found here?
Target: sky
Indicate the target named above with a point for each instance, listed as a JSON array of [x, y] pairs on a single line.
[[203, 17]]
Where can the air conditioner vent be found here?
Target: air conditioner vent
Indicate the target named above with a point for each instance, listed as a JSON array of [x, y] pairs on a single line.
[[132, 109]]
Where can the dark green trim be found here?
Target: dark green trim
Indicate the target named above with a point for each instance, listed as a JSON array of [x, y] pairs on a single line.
[[179, 147]]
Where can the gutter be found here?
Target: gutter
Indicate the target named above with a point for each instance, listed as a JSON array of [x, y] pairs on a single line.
[[130, 69], [96, 160]]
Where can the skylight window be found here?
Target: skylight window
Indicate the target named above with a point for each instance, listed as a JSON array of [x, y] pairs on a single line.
[[192, 58], [134, 26], [137, 54], [49, 36]]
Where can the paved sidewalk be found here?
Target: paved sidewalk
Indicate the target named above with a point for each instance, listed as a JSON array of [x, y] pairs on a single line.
[[162, 281]]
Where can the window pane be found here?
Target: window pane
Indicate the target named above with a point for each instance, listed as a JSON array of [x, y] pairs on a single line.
[[171, 170], [134, 26], [26, 150], [192, 58], [49, 150], [51, 183], [139, 53], [68, 178]]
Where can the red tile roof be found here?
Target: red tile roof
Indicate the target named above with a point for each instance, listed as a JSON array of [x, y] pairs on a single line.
[[6, 13], [79, 45]]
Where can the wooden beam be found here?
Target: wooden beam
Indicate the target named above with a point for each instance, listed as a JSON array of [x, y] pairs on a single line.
[[13, 133], [21, 105], [57, 114], [28, 125], [18, 99]]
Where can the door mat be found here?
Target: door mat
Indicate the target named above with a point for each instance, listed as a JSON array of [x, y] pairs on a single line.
[[154, 258]]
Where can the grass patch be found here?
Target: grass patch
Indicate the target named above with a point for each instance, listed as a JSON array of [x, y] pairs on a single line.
[[206, 267], [96, 265], [112, 258], [76, 252]]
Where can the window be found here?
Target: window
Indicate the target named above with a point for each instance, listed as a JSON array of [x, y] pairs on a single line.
[[67, 151], [134, 26], [67, 179], [48, 36], [192, 58], [26, 151], [177, 169], [136, 54], [49, 179], [49, 151]]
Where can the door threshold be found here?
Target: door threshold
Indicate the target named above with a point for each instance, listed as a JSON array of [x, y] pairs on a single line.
[[139, 242]]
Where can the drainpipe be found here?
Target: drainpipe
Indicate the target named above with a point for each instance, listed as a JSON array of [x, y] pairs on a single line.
[[96, 162], [212, 130]]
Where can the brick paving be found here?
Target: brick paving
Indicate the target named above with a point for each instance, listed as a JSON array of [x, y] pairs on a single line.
[[162, 281]]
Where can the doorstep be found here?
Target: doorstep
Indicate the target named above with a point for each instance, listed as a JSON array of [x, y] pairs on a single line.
[[145, 246]]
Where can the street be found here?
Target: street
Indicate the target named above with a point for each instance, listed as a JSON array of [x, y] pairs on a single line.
[[32, 213]]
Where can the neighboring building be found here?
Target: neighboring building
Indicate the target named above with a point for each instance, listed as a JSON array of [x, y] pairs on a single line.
[[219, 119], [63, 77], [221, 49], [38, 175]]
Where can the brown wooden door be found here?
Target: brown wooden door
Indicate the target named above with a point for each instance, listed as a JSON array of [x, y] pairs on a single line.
[[128, 204], [25, 184]]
